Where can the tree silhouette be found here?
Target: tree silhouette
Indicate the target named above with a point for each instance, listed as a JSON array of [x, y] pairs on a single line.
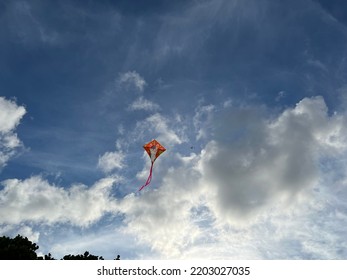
[[21, 248], [18, 248], [49, 257], [85, 256]]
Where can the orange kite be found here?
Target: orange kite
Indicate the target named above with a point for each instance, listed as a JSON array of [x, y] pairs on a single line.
[[154, 149]]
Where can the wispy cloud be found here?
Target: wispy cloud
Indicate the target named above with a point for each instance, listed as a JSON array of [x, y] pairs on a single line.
[[143, 104], [202, 117], [132, 80], [111, 161], [26, 27], [164, 129]]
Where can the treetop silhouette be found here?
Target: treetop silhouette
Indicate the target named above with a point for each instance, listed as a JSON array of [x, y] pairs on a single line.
[[21, 248]]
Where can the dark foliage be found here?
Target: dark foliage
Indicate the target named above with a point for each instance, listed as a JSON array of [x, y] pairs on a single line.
[[85, 256], [18, 248], [49, 257], [21, 248]]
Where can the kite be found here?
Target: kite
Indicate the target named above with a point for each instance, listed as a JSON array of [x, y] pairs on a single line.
[[154, 149]]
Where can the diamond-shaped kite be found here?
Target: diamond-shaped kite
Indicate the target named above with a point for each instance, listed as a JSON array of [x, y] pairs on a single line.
[[154, 149]]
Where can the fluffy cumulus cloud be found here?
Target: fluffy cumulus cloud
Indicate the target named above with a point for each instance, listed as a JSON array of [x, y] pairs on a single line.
[[257, 172], [10, 116], [254, 162], [36, 200]]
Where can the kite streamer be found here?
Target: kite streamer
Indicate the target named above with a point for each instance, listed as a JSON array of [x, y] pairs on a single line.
[[149, 179], [154, 149]]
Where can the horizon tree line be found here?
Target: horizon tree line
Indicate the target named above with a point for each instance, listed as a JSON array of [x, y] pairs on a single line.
[[21, 248]]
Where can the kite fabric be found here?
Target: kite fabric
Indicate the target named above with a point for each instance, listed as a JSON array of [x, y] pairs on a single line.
[[154, 149]]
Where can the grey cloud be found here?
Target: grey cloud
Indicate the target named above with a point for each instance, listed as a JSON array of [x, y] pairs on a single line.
[[254, 161]]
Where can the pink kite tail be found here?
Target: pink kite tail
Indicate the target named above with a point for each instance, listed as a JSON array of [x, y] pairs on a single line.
[[148, 179]]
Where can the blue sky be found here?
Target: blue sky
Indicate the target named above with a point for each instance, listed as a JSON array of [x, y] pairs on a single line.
[[248, 97]]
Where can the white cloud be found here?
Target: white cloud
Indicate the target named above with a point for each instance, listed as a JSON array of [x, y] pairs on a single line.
[[10, 116], [153, 220], [144, 104], [111, 161], [36, 200], [13, 230], [29, 233], [132, 79]]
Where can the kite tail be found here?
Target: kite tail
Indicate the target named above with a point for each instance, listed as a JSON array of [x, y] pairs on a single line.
[[148, 179]]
